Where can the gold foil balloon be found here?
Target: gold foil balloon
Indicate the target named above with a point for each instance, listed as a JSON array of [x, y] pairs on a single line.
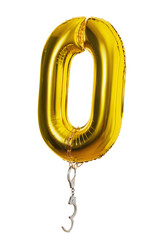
[[78, 145], [101, 131]]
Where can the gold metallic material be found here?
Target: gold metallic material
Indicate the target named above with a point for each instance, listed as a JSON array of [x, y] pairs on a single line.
[[102, 129]]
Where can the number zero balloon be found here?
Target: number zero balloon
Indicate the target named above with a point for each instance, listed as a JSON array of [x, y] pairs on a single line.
[[102, 129]]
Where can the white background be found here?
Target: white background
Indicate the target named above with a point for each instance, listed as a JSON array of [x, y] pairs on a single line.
[[118, 196]]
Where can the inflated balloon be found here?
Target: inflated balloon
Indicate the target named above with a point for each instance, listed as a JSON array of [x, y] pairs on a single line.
[[78, 145]]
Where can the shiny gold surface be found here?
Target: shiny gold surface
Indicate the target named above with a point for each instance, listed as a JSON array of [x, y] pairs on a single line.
[[95, 138]]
